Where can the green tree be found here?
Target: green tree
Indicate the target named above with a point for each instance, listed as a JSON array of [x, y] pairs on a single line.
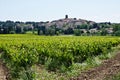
[[104, 32], [69, 31], [77, 32], [40, 32], [50, 31], [117, 33], [57, 33], [116, 27]]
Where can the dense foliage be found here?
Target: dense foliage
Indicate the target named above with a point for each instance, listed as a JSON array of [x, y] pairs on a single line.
[[21, 52]]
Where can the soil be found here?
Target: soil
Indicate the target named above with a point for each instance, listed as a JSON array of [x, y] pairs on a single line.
[[3, 71], [107, 69]]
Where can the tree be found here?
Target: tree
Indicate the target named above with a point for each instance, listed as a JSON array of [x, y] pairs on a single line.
[[69, 31], [88, 33], [50, 31], [41, 28], [116, 27], [7, 27], [117, 33], [40, 32], [104, 32], [57, 33], [84, 26], [77, 32]]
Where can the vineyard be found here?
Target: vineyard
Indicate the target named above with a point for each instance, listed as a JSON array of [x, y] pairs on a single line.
[[21, 52]]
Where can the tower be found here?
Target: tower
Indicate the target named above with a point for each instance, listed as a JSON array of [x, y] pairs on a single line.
[[66, 16]]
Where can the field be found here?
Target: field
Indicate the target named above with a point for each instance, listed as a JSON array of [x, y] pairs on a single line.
[[21, 53]]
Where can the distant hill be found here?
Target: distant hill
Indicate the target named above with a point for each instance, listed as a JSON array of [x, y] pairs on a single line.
[[67, 23], [60, 27]]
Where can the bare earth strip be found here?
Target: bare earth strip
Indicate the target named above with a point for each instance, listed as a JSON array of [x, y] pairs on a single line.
[[107, 69], [3, 71]]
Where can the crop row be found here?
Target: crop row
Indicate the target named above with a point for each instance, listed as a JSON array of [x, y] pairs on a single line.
[[20, 54]]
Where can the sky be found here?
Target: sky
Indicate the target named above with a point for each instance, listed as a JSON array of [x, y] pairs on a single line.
[[48, 10]]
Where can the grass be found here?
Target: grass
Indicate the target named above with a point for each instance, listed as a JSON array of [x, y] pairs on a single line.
[[31, 32], [116, 77], [75, 69]]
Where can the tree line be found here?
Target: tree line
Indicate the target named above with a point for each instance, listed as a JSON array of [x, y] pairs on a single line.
[[106, 28]]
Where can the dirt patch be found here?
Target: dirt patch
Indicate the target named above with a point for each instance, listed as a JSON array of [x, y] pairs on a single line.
[[3, 71], [107, 69]]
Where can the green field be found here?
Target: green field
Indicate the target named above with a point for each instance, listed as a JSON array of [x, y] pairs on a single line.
[[21, 53]]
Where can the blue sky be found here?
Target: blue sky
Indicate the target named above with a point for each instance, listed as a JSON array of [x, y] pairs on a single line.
[[48, 10]]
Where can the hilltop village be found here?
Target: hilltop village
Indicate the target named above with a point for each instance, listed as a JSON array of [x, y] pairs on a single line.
[[64, 26]]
